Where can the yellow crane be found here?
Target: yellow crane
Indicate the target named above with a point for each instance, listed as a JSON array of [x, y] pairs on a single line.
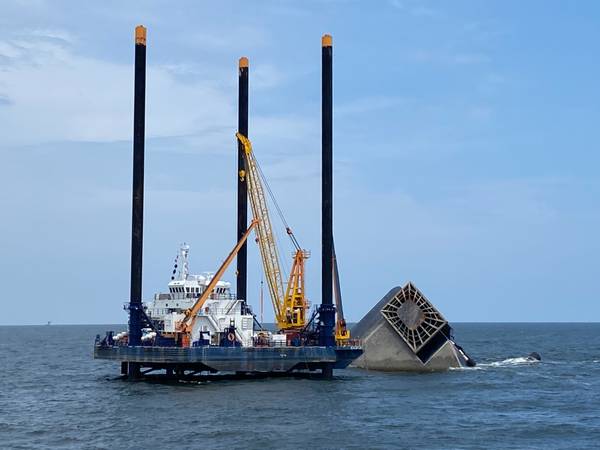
[[290, 304], [186, 325]]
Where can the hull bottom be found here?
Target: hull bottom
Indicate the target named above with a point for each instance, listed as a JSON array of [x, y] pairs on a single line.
[[239, 360]]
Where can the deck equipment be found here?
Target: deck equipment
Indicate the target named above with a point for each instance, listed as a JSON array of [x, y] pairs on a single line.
[[185, 327]]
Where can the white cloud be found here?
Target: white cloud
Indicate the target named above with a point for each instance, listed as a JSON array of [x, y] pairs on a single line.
[[62, 35], [50, 93], [9, 50], [58, 95]]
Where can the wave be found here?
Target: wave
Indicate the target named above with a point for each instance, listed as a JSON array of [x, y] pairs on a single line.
[[509, 362], [519, 361]]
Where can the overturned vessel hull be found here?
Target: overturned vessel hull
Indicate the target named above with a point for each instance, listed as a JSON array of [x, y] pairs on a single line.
[[405, 332]]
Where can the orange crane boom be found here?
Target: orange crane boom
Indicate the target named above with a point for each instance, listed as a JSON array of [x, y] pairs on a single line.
[[187, 323]]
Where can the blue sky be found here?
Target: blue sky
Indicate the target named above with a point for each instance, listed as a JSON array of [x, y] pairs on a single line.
[[466, 149]]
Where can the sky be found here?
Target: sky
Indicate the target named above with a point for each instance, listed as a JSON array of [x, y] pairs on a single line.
[[466, 150]]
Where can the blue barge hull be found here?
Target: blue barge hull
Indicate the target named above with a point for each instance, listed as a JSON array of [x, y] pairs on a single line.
[[232, 359]]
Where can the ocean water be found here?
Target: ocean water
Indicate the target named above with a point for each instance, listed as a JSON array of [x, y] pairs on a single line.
[[54, 395]]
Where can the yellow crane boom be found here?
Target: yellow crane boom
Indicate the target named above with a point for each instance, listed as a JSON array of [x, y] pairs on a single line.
[[264, 229], [289, 304]]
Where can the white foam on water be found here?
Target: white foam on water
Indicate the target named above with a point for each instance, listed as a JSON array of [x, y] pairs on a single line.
[[519, 361], [509, 362], [466, 368]]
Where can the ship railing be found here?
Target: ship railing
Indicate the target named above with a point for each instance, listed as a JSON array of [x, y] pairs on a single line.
[[268, 343], [222, 297], [219, 311], [192, 295], [349, 343]]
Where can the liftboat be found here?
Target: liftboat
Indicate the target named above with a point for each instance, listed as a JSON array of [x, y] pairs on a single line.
[[226, 336], [199, 326]]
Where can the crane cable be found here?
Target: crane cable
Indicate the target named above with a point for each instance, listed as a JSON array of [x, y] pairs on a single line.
[[277, 207], [265, 183]]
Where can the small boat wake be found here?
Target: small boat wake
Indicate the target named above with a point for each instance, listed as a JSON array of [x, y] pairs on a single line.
[[532, 358], [519, 361]]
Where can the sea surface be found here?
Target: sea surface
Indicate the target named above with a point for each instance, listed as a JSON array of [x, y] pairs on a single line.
[[54, 395]]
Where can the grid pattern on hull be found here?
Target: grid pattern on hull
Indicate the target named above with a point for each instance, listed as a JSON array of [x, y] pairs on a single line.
[[413, 317]]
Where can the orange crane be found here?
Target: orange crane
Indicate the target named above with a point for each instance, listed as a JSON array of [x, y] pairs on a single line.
[[186, 325], [290, 304]]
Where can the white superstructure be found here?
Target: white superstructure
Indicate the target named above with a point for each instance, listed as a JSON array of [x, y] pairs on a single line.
[[220, 312]]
